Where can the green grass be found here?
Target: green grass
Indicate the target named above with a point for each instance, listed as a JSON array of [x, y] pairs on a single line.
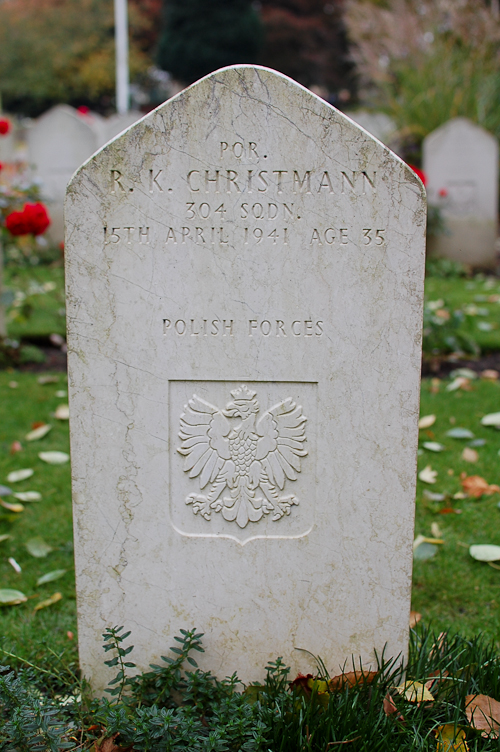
[[460, 293], [22, 628], [41, 313], [452, 589]]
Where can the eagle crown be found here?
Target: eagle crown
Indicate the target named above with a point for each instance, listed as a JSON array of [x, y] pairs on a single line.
[[244, 404]]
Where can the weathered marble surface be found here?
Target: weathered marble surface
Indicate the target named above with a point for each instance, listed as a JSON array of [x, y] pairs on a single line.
[[460, 160], [295, 281]]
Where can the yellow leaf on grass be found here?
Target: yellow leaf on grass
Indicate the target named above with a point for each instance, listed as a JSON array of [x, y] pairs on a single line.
[[427, 421], [483, 713], [450, 739], [415, 691], [428, 475], [38, 433], [62, 412], [12, 506], [414, 619], [470, 455], [48, 601]]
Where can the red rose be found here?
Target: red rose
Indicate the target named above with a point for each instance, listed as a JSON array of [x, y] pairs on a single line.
[[4, 126], [1, 166], [33, 219], [83, 109], [421, 174], [38, 218]]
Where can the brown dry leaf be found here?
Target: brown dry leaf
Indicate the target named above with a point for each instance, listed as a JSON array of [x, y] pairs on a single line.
[[414, 619], [108, 745], [470, 455], [435, 678], [414, 691], [16, 446], [390, 707], [450, 739], [483, 713], [435, 384], [475, 486], [350, 679], [490, 374]]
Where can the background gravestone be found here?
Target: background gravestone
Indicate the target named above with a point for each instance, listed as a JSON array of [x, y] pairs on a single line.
[[245, 282], [58, 143], [460, 160]]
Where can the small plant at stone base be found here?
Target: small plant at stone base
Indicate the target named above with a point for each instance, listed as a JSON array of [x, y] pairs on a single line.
[[387, 709]]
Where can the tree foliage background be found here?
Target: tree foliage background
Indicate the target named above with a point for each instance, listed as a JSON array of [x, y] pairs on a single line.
[[63, 51], [200, 36]]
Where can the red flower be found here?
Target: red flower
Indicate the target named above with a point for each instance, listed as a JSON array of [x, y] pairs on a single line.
[[4, 126], [1, 166], [83, 109], [443, 193], [421, 174], [33, 219]]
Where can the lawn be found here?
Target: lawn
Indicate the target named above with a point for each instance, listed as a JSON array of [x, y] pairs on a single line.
[[451, 590]]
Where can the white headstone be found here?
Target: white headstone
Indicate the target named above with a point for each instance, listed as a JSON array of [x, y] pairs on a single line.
[[58, 143], [378, 124], [118, 123], [245, 283], [460, 160]]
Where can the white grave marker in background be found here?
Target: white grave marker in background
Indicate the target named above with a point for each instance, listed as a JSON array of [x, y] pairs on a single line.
[[245, 283], [460, 160], [58, 143]]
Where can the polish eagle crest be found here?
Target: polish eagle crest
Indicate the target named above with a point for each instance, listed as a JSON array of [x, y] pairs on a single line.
[[242, 461]]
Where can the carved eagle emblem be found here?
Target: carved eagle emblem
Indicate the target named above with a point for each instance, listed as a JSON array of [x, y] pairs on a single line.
[[242, 461]]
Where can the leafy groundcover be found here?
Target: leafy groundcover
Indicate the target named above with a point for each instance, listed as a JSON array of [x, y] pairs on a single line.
[[444, 700]]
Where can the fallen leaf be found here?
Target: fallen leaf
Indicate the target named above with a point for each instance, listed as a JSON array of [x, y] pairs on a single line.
[[436, 530], [435, 677], [475, 486], [449, 510], [414, 691], [108, 745], [433, 446], [15, 447], [28, 496], [450, 739], [466, 373], [51, 576], [415, 617], [18, 475], [10, 597], [427, 421], [38, 548], [483, 713], [477, 443], [54, 458], [431, 496], [428, 475], [390, 707], [69, 635], [351, 679], [48, 601], [470, 455], [12, 506], [62, 412], [48, 379], [4, 491], [13, 563], [493, 419], [5, 537], [37, 424], [485, 552], [13, 384], [425, 551], [422, 539], [460, 433], [435, 384], [61, 393], [38, 433], [460, 495], [459, 383], [490, 374]]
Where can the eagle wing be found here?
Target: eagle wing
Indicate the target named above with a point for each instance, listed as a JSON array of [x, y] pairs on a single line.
[[205, 445], [281, 444]]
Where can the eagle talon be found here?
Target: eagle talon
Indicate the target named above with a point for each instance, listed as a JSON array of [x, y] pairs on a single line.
[[200, 505]]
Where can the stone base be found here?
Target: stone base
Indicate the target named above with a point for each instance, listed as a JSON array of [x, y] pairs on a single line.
[[470, 241]]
